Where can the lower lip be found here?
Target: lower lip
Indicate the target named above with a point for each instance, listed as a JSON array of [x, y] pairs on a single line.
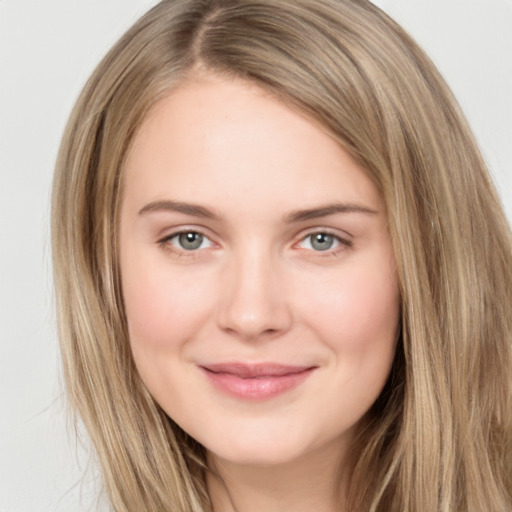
[[256, 388]]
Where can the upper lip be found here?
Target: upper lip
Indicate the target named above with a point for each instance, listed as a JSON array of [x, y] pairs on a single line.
[[251, 370]]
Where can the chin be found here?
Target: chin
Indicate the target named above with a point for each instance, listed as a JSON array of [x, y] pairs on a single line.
[[260, 449], [248, 456]]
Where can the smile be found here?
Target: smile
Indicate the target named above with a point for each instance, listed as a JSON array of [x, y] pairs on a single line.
[[256, 381]]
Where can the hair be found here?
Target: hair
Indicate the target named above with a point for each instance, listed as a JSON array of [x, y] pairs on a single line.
[[439, 438]]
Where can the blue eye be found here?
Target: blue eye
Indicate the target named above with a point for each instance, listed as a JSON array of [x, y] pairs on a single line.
[[321, 242], [190, 241]]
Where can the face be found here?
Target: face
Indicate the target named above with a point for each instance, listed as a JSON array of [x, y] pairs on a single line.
[[257, 274]]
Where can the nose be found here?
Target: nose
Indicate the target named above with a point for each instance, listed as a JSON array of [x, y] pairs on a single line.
[[254, 301]]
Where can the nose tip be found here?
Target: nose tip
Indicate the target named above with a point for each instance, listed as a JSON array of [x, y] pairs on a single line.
[[254, 304], [249, 326]]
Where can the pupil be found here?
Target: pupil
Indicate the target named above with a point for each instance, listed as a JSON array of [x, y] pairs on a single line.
[[322, 241], [190, 241]]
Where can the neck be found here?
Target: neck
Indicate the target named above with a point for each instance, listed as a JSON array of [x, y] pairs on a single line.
[[313, 482]]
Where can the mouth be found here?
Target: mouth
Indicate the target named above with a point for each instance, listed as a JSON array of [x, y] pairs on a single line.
[[255, 381]]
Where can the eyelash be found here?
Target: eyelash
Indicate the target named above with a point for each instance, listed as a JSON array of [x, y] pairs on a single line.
[[342, 243], [166, 242]]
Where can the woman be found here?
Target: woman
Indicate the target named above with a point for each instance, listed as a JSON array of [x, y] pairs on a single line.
[[283, 275]]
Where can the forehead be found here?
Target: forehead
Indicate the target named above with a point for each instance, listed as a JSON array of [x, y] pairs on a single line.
[[213, 140]]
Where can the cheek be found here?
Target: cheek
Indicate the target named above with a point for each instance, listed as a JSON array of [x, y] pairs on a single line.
[[163, 311], [161, 307], [357, 320], [357, 311]]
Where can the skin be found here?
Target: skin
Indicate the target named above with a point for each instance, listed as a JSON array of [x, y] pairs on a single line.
[[258, 288]]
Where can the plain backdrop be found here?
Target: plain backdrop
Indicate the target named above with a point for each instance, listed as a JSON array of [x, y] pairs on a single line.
[[47, 50]]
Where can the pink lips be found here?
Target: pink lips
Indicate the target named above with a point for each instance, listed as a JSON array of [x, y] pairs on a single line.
[[256, 381]]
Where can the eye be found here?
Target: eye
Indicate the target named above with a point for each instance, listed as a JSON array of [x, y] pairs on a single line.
[[322, 241], [189, 241]]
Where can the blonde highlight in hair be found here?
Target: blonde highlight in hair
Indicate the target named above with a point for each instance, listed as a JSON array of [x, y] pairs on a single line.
[[439, 436]]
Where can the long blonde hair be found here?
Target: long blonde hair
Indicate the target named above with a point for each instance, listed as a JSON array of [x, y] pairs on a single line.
[[439, 438]]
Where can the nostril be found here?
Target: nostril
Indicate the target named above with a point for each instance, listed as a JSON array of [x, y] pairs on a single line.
[[261, 324], [253, 303]]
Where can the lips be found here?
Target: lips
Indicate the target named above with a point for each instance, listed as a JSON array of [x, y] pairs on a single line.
[[256, 381]]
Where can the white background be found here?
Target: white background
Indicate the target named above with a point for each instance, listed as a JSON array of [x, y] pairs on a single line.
[[47, 50]]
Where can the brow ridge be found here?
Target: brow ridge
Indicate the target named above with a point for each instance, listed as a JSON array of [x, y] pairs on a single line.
[[291, 217], [194, 210], [326, 210]]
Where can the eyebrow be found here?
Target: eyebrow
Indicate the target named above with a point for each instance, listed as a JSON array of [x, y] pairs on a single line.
[[294, 216], [177, 206], [326, 210]]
